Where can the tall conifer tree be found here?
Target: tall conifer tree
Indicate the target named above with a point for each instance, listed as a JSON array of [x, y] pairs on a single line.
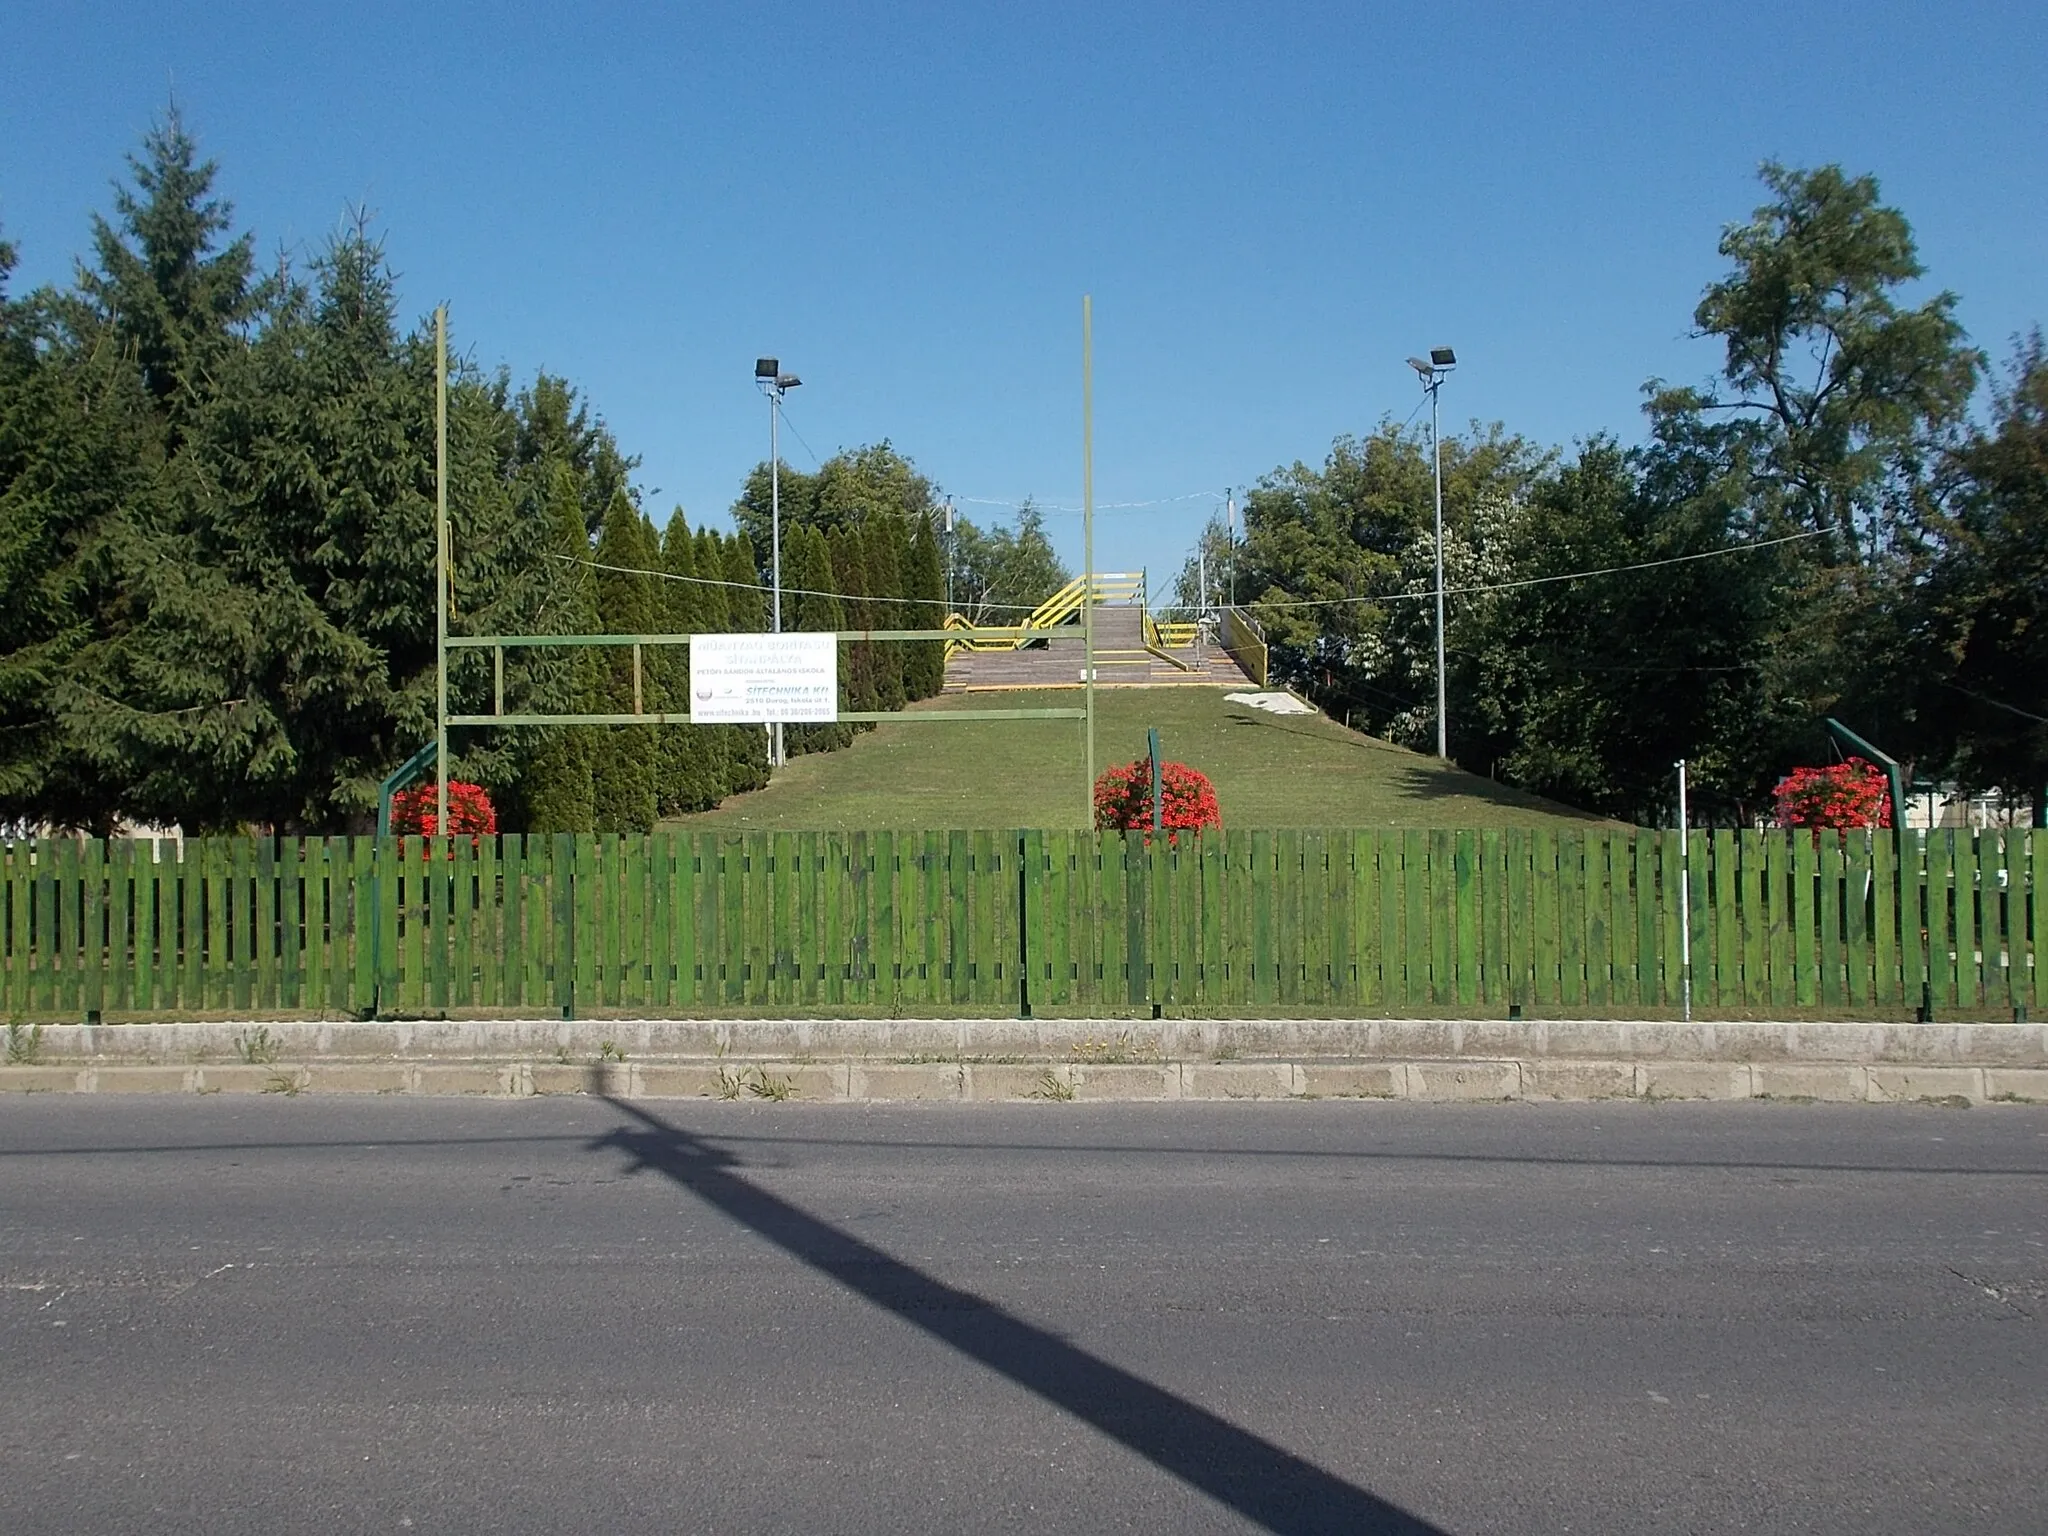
[[623, 777]]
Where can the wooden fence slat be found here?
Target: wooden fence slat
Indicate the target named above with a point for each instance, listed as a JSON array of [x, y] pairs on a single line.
[[509, 944], [1571, 918], [1805, 862], [1647, 900], [2037, 915], [1856, 946], [1828, 896], [2022, 894], [1783, 959], [1886, 935], [1599, 929], [1938, 917], [1969, 930]]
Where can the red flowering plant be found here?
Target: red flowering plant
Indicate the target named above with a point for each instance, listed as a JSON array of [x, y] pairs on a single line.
[[1852, 793], [415, 811], [1123, 800]]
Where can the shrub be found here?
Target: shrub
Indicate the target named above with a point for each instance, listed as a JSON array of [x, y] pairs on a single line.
[[1853, 793], [413, 811], [1123, 799]]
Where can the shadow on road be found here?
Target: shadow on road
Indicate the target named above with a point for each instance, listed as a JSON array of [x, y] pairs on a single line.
[[1261, 1481]]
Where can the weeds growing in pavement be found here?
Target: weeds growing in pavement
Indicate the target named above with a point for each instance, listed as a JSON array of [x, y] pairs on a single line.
[[1053, 1086], [24, 1043], [258, 1048]]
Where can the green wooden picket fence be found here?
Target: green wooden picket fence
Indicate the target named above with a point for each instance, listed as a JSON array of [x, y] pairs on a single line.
[[1477, 923]]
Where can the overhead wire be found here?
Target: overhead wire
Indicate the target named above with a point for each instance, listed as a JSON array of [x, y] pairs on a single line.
[[751, 586], [1321, 602], [1429, 593]]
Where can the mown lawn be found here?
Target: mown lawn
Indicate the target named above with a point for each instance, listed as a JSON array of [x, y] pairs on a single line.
[[1269, 771]]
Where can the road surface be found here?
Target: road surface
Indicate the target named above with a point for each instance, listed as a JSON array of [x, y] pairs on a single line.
[[277, 1314]]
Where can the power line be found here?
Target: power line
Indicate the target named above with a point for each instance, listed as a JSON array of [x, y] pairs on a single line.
[[1324, 602], [750, 586], [1101, 506], [1532, 581]]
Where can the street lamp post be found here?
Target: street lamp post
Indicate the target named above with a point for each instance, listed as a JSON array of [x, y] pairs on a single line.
[[775, 384], [949, 554], [1441, 361]]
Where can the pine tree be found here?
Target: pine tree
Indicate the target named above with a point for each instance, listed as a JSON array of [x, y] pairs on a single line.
[[622, 772], [746, 613], [857, 659], [691, 770], [173, 300], [807, 566], [732, 757], [557, 790], [924, 578], [885, 559], [80, 450]]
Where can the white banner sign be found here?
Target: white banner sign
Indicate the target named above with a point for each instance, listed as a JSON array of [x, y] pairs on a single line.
[[758, 679]]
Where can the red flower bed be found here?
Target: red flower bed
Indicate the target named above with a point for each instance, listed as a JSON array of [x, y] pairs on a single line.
[[415, 811], [1853, 793], [1123, 799]]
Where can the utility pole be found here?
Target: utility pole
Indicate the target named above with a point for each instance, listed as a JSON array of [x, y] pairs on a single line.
[[1230, 545], [1088, 542], [1684, 893], [949, 555], [441, 570]]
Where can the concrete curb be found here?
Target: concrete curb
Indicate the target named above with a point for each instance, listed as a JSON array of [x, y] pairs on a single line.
[[1472, 1079], [1756, 1042]]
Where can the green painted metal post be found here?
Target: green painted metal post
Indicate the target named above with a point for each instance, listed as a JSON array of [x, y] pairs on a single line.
[[441, 566], [1158, 806], [1088, 548], [1896, 784]]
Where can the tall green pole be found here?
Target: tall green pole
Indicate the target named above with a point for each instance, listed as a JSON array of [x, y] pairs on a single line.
[[441, 569], [1088, 546]]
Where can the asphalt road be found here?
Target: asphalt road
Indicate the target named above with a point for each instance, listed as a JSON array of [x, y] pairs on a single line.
[[264, 1315]]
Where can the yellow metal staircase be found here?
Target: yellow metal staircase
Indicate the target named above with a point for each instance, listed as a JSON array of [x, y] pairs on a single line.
[[1062, 606]]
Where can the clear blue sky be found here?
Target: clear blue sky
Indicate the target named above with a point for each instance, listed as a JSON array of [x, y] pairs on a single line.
[[1272, 204]]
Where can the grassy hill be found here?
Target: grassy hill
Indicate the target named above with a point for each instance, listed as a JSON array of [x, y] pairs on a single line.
[[1269, 771]]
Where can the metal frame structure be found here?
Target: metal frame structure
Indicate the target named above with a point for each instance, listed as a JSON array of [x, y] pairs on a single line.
[[499, 644]]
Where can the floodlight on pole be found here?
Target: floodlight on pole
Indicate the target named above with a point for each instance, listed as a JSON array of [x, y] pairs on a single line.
[[1440, 362], [774, 383]]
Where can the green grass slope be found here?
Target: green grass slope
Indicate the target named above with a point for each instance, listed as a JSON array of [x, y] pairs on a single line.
[[1269, 771]]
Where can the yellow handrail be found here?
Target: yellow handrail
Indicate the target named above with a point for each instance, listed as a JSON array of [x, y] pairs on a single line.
[[1246, 644], [1110, 587]]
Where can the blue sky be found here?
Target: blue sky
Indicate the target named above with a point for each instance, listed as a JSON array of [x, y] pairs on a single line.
[[1272, 205]]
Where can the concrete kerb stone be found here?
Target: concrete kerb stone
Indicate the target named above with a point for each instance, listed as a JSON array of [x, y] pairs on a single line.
[[1580, 1080], [1010, 1081], [1821, 1082], [2024, 1085], [1693, 1080], [1443, 1082], [1909, 1085], [1351, 1080], [1240, 1080]]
